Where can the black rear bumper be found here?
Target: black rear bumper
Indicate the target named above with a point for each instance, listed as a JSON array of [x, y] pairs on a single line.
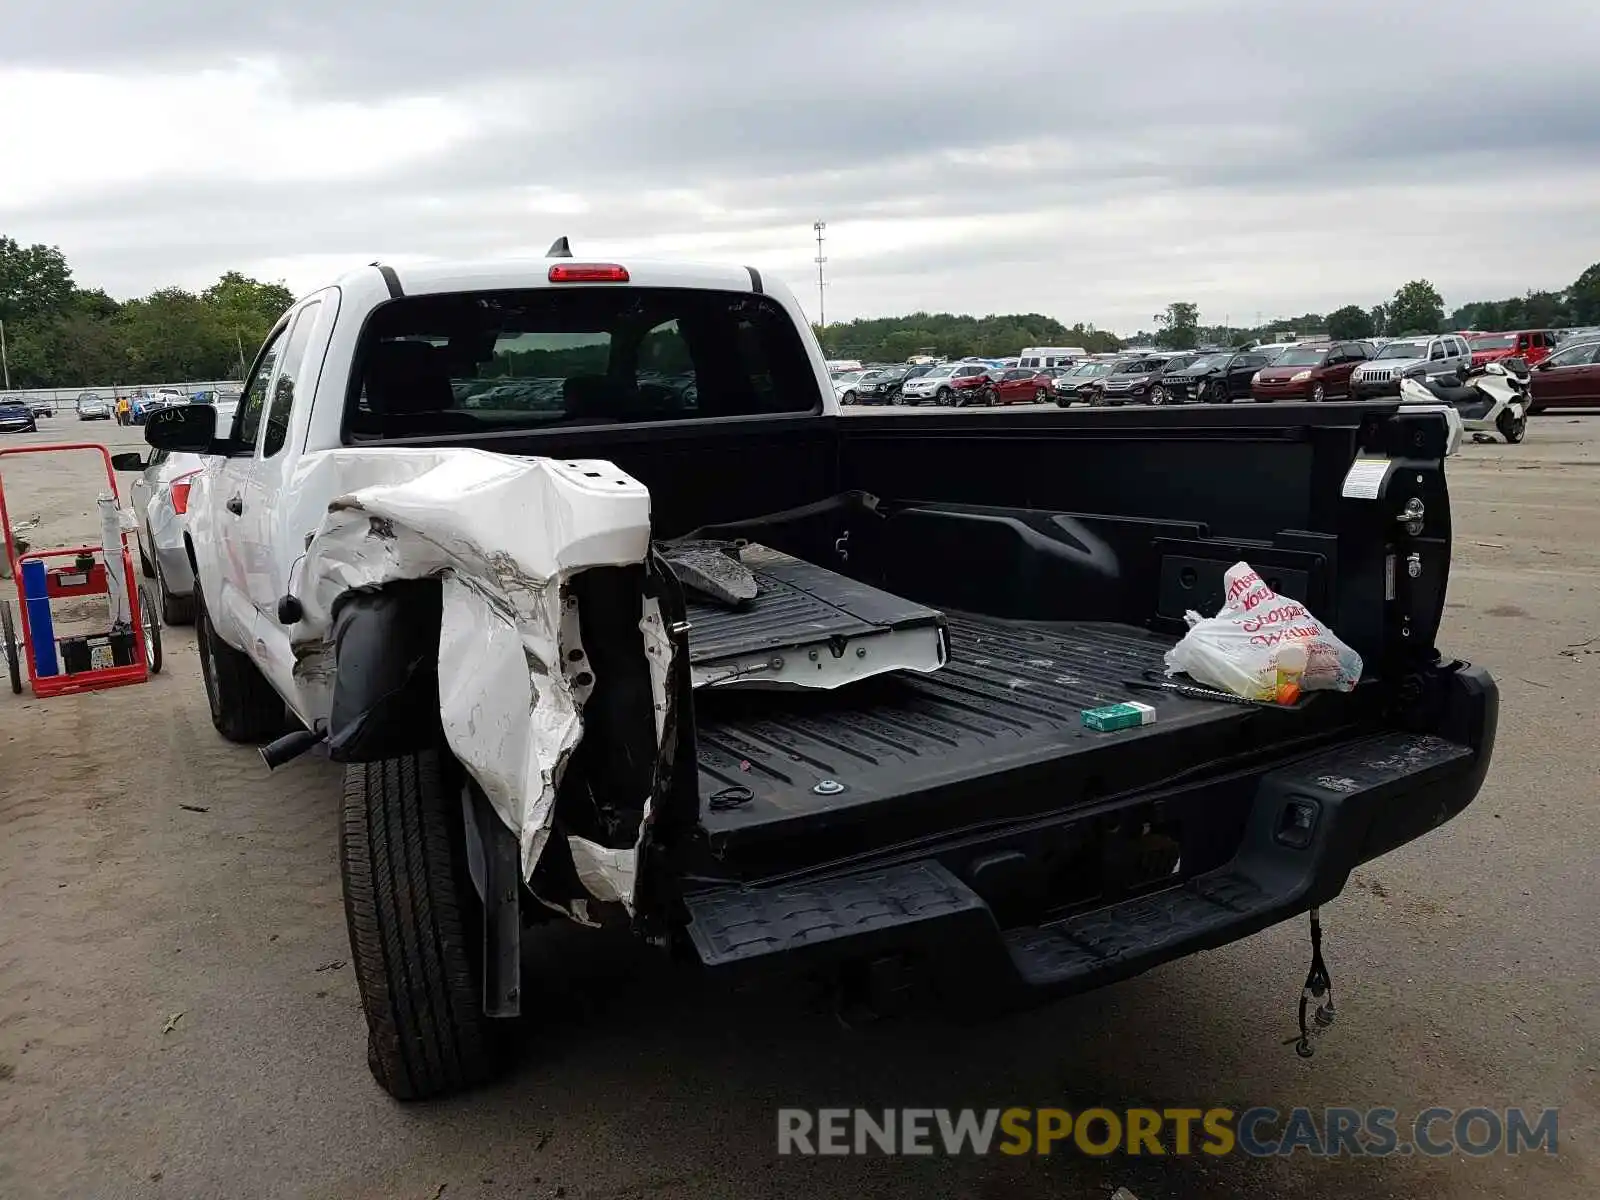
[[1297, 831]]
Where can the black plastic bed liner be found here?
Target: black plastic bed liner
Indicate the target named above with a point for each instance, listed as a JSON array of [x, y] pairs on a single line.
[[996, 733], [803, 609]]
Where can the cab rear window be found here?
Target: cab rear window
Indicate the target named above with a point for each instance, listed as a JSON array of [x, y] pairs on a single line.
[[470, 362]]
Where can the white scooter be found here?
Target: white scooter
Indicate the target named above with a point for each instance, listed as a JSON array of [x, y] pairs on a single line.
[[1492, 400]]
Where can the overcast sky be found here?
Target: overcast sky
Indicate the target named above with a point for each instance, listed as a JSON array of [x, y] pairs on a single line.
[[1004, 155]]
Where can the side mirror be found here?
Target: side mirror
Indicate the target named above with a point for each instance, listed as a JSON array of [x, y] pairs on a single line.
[[131, 461], [1542, 365], [188, 428]]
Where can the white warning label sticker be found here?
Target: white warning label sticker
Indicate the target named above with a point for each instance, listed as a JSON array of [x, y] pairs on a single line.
[[1364, 479]]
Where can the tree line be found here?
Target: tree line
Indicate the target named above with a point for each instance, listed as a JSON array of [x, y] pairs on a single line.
[[58, 334], [1415, 308], [948, 335]]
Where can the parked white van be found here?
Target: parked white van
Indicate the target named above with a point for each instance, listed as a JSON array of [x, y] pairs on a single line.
[[1050, 356]]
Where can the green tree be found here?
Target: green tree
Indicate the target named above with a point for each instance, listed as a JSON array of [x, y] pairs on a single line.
[[1180, 326], [894, 339], [1380, 319], [1583, 297], [174, 334], [1417, 307], [1351, 321], [248, 308], [34, 280]]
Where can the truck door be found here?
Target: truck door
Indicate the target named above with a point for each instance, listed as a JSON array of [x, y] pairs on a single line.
[[227, 601], [266, 510]]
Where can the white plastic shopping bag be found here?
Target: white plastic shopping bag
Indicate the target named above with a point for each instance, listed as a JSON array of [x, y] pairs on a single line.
[[1261, 642]]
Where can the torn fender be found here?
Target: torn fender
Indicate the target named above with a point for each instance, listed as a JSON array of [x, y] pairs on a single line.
[[503, 535]]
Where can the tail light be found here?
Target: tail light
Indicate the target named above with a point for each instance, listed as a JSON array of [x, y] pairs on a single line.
[[588, 273], [180, 492]]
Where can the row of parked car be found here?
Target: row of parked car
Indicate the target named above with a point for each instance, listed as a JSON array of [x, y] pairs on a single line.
[[1564, 373]]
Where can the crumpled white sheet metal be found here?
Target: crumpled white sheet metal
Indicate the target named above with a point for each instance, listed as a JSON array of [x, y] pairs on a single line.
[[504, 534]]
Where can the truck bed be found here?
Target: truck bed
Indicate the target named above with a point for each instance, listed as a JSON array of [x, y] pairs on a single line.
[[996, 733]]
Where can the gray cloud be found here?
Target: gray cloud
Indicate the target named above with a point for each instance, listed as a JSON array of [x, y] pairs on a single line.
[[1018, 155]]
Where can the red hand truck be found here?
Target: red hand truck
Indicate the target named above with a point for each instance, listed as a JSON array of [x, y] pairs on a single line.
[[130, 652]]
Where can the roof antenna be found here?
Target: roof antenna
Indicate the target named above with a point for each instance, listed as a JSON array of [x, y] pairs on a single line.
[[559, 249]]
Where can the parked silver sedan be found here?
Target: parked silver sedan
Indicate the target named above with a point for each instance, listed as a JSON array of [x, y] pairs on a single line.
[[159, 501]]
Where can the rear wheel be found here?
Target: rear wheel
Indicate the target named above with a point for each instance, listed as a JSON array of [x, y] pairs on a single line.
[[244, 708], [13, 648], [415, 925], [1513, 428], [1217, 393], [1041, 396]]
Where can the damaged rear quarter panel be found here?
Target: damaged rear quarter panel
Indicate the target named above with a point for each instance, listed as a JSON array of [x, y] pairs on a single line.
[[504, 535]]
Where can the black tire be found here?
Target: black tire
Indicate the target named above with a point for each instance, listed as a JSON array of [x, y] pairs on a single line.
[[175, 610], [415, 925], [152, 632], [146, 567], [848, 398], [1041, 396], [244, 708], [943, 397], [1318, 393], [8, 631], [1513, 429], [1218, 394]]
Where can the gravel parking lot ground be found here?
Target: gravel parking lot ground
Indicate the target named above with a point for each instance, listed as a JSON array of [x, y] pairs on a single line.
[[178, 1017]]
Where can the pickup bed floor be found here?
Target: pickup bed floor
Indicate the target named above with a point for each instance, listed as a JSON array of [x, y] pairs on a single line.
[[997, 732]]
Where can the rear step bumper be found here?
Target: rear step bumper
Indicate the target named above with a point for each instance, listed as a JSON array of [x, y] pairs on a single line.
[[1310, 823]]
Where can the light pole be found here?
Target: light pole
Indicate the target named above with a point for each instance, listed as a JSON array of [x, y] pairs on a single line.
[[822, 318], [5, 363]]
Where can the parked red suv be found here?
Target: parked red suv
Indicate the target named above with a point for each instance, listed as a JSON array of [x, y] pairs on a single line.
[[1313, 373], [1530, 345]]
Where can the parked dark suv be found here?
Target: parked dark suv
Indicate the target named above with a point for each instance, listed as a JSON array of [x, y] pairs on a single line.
[[1219, 378], [880, 387], [1130, 380]]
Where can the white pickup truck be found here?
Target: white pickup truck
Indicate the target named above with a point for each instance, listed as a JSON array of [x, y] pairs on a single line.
[[613, 617]]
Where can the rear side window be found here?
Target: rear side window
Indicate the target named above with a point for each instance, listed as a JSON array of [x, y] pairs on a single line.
[[294, 354], [552, 357]]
